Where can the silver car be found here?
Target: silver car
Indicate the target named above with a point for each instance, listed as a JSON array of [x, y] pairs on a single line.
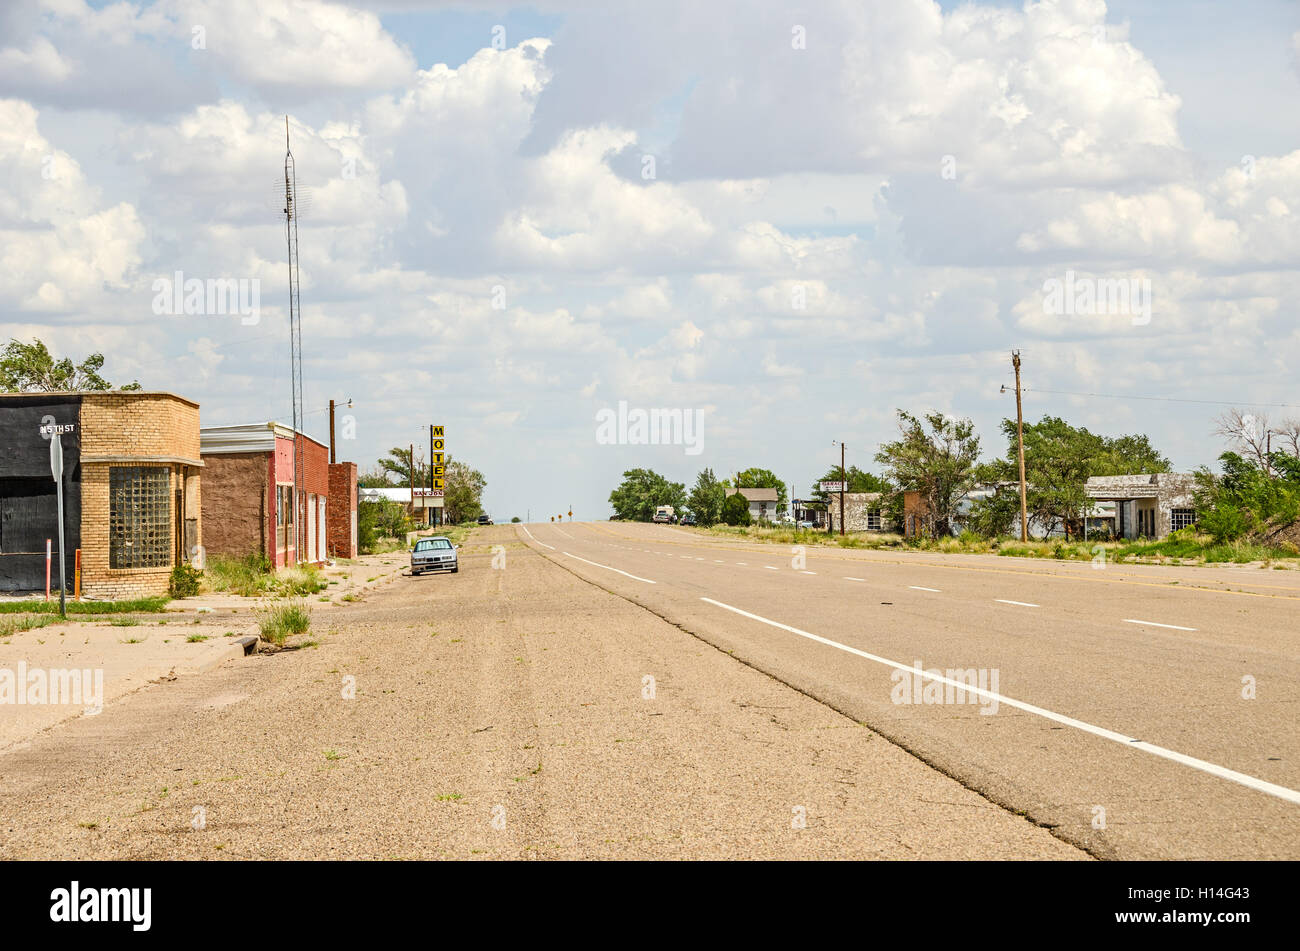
[[434, 554]]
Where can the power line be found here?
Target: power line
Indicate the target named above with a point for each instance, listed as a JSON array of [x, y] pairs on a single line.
[[1163, 399]]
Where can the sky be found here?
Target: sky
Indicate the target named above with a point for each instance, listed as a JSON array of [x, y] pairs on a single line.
[[784, 221]]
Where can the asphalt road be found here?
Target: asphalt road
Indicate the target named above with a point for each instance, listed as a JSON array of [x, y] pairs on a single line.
[[1137, 712], [509, 711]]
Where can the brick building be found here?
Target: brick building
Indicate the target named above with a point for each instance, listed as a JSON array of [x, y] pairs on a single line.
[[248, 496], [132, 500]]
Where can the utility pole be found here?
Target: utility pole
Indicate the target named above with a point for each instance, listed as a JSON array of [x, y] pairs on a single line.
[[844, 486], [411, 480], [1020, 442], [332, 459]]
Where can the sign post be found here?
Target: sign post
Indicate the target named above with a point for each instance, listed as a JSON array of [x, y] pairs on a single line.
[[56, 469]]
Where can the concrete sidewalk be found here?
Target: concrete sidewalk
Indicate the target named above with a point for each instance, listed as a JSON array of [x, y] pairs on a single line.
[[123, 658]]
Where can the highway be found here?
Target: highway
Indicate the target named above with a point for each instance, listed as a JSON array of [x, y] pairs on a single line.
[[1136, 712]]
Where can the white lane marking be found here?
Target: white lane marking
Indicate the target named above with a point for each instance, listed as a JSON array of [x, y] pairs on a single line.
[[608, 568], [1272, 789], [1023, 604], [530, 535], [717, 561], [807, 572], [917, 587], [1172, 627], [742, 563], [847, 578], [770, 568]]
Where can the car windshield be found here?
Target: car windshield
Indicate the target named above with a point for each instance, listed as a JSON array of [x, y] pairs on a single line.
[[429, 544]]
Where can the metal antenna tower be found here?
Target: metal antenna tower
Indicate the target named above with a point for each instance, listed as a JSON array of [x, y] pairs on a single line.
[[295, 342]]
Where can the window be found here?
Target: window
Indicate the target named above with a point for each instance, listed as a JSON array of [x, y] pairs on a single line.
[[284, 516], [431, 544], [1181, 518], [139, 517], [873, 520]]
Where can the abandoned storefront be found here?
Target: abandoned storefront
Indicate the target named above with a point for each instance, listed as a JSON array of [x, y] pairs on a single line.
[[130, 490]]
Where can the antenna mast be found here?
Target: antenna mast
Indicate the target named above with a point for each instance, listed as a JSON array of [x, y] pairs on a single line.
[[295, 342]]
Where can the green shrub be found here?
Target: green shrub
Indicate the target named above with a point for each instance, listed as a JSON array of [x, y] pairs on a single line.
[[735, 510], [184, 581], [248, 577], [282, 621]]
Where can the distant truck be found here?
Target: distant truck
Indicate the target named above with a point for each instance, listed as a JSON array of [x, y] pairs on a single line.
[[665, 514]]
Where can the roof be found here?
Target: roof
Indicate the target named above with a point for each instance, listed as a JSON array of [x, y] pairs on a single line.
[[246, 437], [100, 393], [1143, 486], [755, 495]]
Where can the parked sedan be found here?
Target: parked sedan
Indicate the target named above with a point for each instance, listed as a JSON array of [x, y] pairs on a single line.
[[688, 519], [434, 554]]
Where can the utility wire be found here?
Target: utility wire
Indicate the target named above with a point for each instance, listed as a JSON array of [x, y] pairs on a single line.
[[1162, 399]]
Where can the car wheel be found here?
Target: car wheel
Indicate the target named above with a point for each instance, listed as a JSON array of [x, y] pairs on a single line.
[[456, 569]]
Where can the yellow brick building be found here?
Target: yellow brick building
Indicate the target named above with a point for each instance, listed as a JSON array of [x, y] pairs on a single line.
[[131, 489]]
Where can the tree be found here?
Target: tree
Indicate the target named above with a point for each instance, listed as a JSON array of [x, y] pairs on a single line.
[[1246, 433], [858, 480], [463, 484], [1250, 498], [1059, 459], [763, 479], [938, 464], [735, 510], [707, 498], [463, 496], [641, 491], [30, 368]]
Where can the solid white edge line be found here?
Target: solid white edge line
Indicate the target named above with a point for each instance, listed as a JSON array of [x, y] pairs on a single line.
[[1023, 604], [1260, 785], [847, 578], [530, 535], [608, 568], [1174, 627], [917, 587]]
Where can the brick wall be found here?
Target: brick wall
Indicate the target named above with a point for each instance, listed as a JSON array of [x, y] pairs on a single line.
[[135, 426], [342, 510], [235, 503]]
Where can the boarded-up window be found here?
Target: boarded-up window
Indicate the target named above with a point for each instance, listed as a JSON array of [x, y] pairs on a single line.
[[139, 517], [873, 520], [1181, 518]]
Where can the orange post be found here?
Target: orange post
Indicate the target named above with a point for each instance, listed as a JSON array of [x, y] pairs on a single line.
[[47, 569], [76, 576]]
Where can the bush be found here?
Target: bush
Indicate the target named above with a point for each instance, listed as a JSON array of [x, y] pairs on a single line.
[[184, 582], [299, 580], [735, 510], [248, 577], [282, 621]]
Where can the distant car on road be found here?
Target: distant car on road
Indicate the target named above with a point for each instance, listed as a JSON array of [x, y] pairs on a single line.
[[484, 520], [662, 517], [434, 554], [688, 519]]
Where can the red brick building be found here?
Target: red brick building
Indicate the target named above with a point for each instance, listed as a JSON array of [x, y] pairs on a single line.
[[250, 495]]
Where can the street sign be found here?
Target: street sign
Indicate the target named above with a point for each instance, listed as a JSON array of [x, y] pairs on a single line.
[[56, 469], [833, 487], [56, 459]]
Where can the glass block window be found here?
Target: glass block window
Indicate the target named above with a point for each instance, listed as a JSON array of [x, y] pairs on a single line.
[[873, 520], [1181, 518], [139, 517]]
